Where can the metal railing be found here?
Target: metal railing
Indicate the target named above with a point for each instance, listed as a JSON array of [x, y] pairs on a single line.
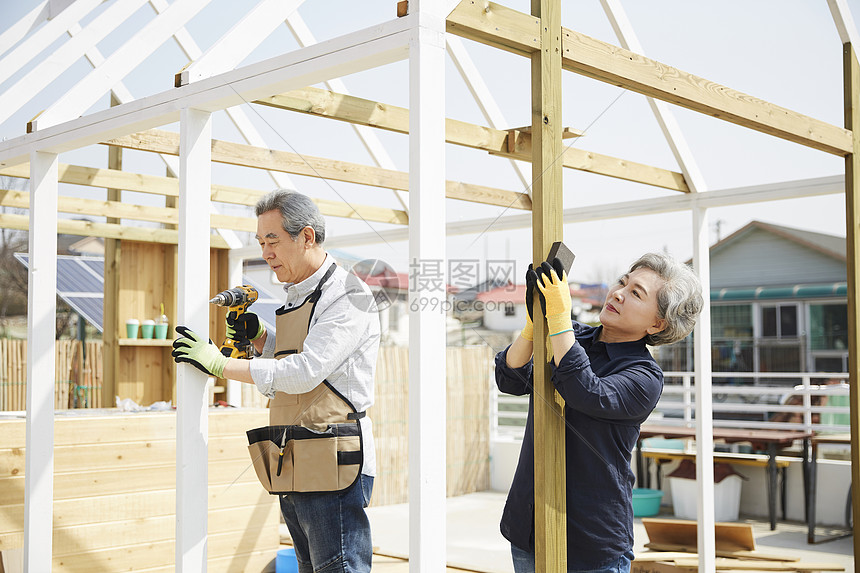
[[752, 400]]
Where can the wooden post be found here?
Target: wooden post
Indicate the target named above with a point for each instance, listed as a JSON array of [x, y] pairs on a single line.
[[41, 360], [547, 205], [427, 293], [852, 212], [192, 422], [111, 318]]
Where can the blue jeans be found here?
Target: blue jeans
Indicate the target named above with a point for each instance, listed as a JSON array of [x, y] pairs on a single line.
[[330, 531], [524, 562]]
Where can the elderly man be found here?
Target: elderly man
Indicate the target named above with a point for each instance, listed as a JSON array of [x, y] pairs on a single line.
[[317, 367]]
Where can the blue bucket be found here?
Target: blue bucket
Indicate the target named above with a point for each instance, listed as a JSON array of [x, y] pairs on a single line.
[[646, 502], [285, 562]]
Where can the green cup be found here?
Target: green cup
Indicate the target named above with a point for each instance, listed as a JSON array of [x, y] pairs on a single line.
[[132, 325], [146, 328], [161, 330]]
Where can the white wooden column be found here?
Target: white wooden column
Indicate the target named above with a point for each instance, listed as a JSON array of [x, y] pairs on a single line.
[[41, 356], [704, 402], [192, 421], [427, 392]]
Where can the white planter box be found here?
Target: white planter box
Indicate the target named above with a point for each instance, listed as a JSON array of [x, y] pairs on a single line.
[[727, 498]]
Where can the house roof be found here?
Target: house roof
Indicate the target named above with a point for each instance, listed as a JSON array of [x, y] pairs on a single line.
[[517, 294], [830, 245]]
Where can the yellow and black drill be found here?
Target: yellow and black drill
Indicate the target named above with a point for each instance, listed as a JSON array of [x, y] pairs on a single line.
[[237, 300]]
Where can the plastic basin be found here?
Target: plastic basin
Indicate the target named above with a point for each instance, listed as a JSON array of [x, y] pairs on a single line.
[[646, 502]]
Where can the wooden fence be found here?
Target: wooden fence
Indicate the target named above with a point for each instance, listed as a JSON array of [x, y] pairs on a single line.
[[468, 408], [77, 379]]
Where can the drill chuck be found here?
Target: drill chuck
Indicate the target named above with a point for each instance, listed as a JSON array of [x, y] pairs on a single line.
[[235, 297]]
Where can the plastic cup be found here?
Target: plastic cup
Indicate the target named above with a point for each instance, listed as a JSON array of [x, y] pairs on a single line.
[[131, 327], [146, 328], [161, 330]]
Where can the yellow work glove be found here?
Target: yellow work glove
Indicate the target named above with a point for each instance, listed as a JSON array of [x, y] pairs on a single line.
[[552, 283]]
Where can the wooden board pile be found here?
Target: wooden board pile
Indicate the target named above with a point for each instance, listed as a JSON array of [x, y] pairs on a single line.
[[672, 545]]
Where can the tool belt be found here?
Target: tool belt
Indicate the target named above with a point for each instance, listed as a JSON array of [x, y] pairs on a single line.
[[313, 441]]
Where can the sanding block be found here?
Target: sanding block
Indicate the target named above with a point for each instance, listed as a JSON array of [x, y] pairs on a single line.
[[560, 251]]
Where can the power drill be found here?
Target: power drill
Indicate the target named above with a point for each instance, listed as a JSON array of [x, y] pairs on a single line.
[[237, 300]]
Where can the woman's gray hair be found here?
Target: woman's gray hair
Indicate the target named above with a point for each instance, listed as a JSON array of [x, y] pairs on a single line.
[[297, 212], [679, 301]]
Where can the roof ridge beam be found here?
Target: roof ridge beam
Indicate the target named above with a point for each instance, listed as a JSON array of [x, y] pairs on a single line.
[[167, 142], [516, 32], [315, 101], [238, 43]]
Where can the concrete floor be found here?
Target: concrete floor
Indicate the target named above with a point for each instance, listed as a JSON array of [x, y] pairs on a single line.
[[475, 544]]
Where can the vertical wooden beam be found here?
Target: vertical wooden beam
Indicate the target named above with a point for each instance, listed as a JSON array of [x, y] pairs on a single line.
[[427, 292], [547, 206], [41, 329], [192, 422], [704, 402], [111, 320], [852, 212], [171, 273]]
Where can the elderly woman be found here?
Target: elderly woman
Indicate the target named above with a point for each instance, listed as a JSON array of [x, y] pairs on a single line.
[[610, 384]]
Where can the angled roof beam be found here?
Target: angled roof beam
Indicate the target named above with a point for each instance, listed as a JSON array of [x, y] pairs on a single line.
[[76, 101], [58, 61], [661, 110], [369, 48], [159, 141], [234, 46], [322, 103], [371, 143], [482, 95], [169, 187], [38, 41], [844, 22], [23, 26], [247, 130], [515, 32], [830, 185]]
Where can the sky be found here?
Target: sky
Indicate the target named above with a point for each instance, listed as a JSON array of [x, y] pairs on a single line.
[[786, 52]]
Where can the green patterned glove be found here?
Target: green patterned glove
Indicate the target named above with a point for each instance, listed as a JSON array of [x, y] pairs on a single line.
[[201, 354]]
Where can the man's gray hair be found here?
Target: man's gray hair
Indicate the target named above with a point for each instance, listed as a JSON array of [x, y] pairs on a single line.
[[679, 301], [297, 212]]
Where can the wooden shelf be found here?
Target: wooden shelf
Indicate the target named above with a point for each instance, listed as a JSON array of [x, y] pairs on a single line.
[[145, 342]]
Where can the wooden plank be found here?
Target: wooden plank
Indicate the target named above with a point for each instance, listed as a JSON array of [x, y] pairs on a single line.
[[666, 548], [105, 230], [273, 160], [759, 565], [123, 428], [682, 532], [169, 187], [515, 32], [548, 204], [323, 103], [161, 553], [851, 71]]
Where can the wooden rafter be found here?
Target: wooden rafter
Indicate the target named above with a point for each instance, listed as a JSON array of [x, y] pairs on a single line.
[[105, 230], [512, 144], [515, 32], [249, 156], [169, 187]]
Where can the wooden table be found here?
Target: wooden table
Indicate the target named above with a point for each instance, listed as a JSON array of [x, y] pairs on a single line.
[[813, 476], [770, 440]]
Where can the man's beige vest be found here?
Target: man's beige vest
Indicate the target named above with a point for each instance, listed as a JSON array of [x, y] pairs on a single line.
[[313, 442]]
